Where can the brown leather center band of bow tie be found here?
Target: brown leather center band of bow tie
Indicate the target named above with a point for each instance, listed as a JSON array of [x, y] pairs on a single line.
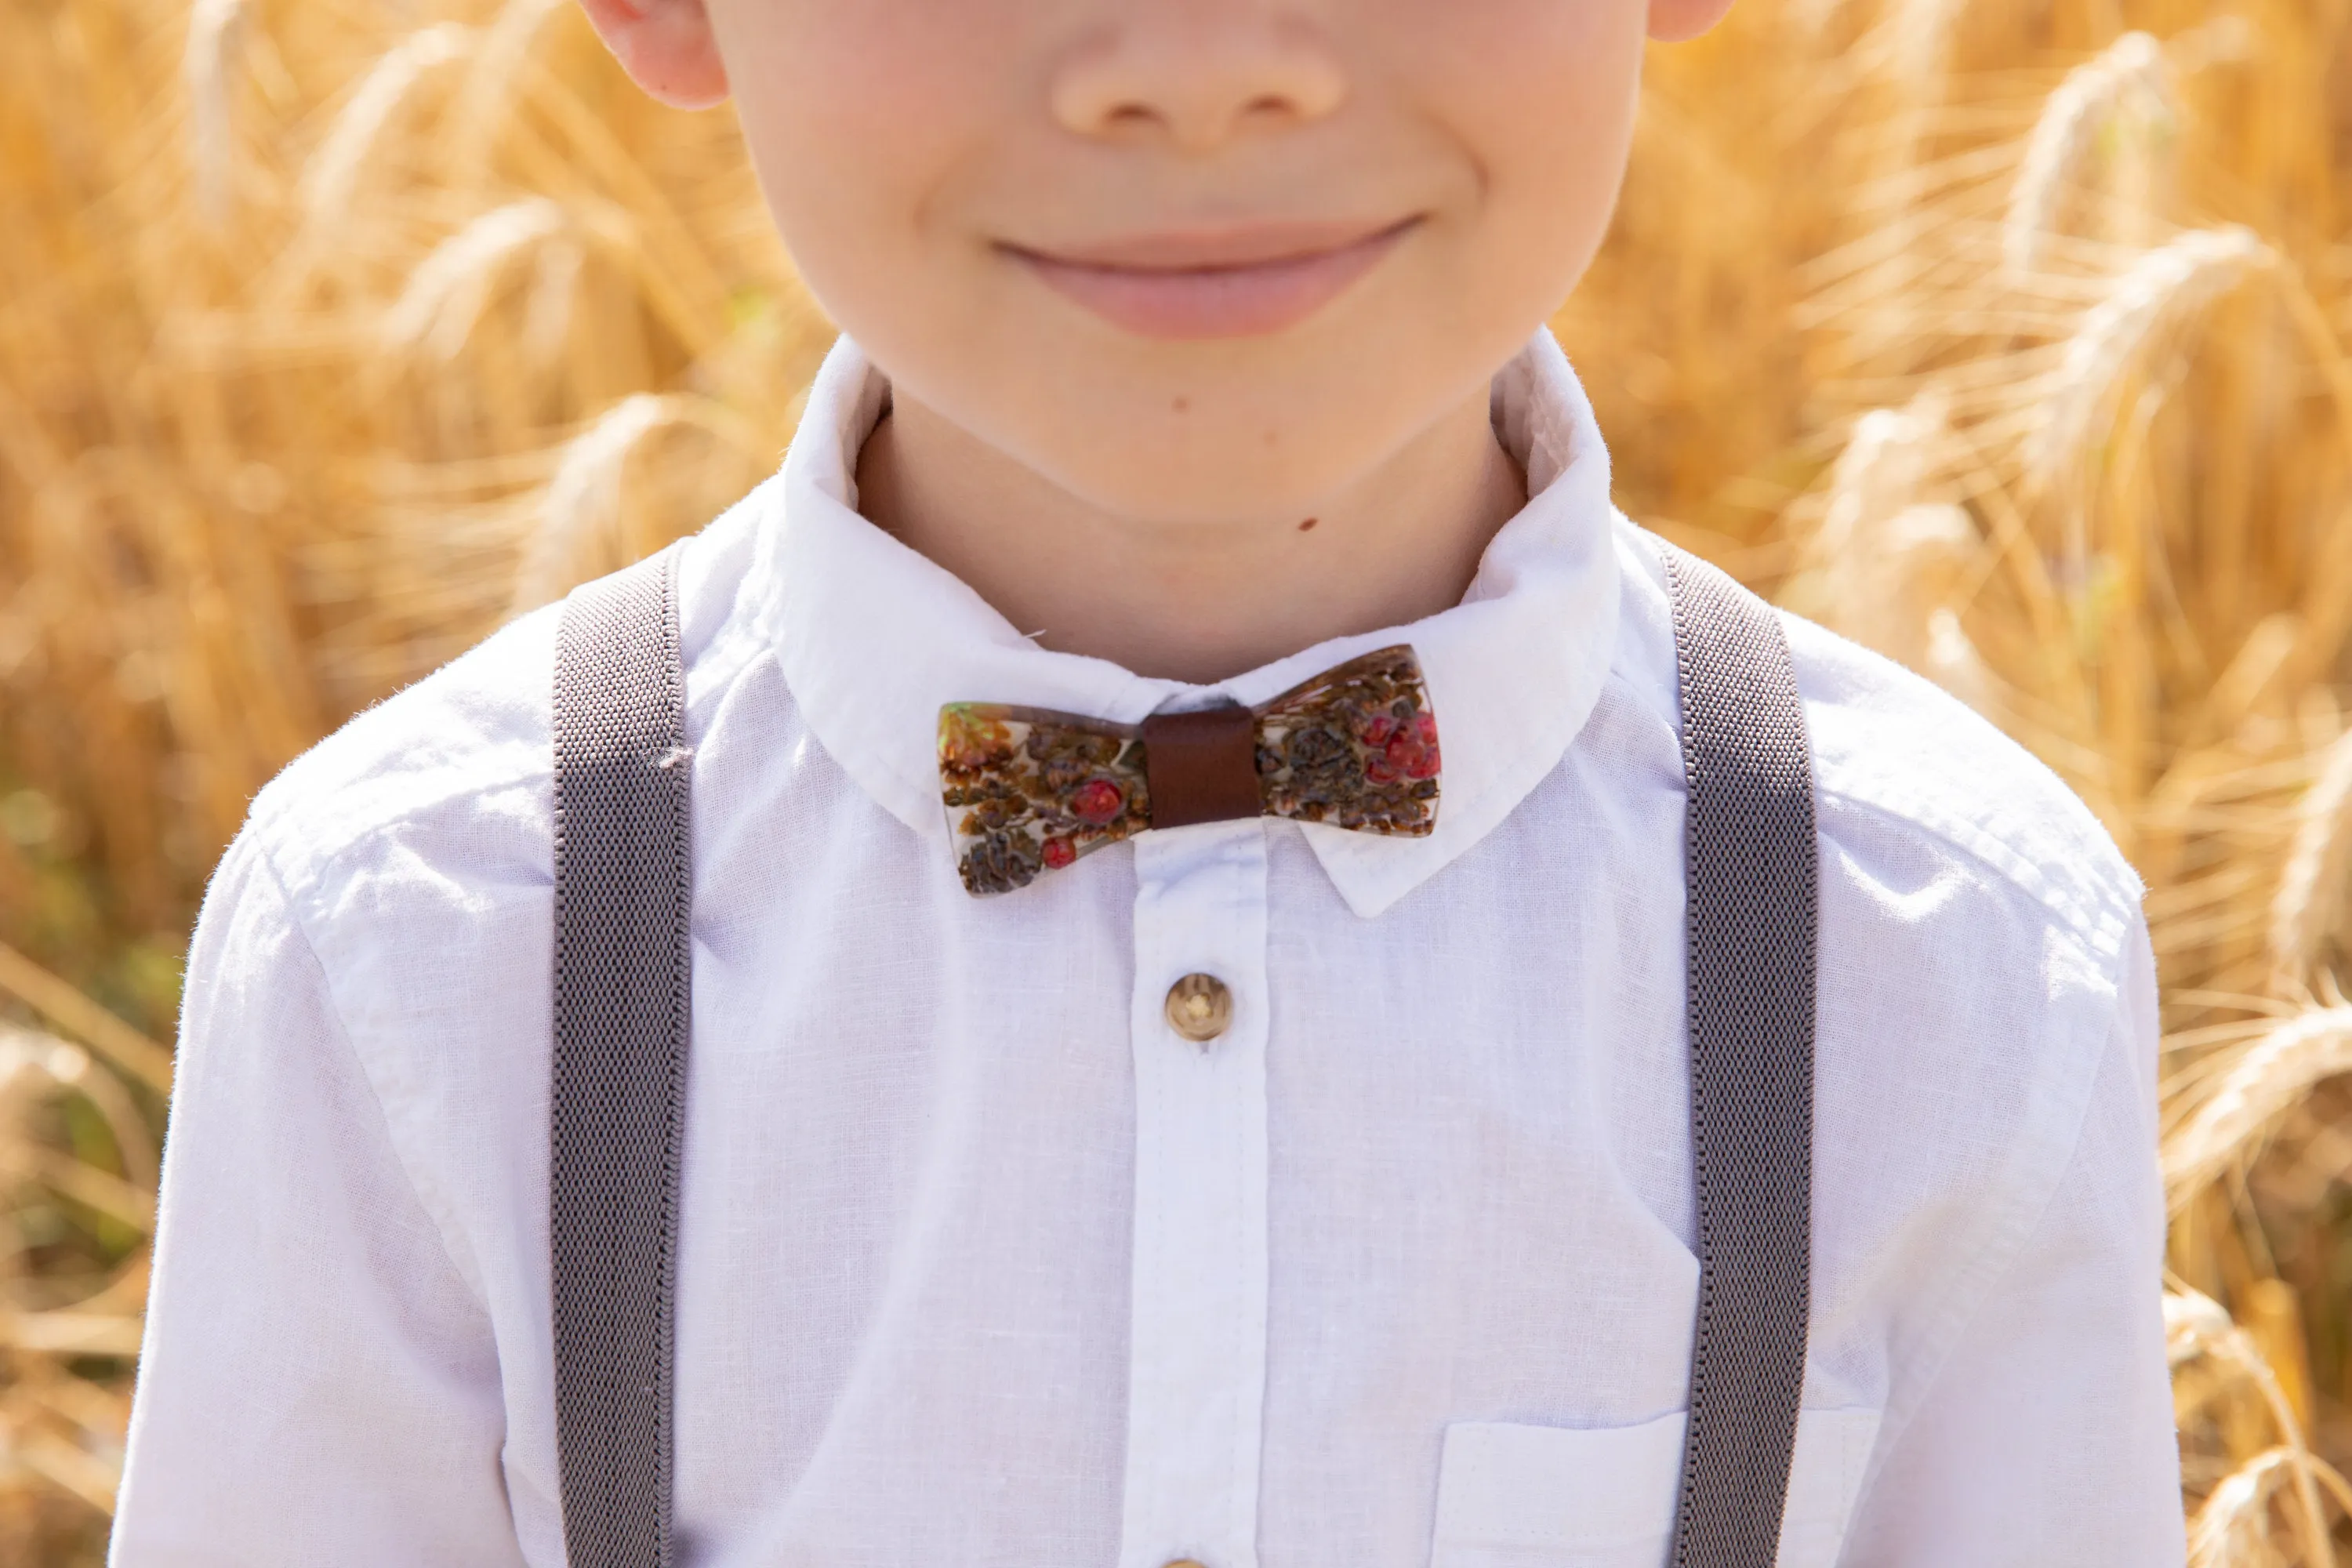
[[1202, 766]]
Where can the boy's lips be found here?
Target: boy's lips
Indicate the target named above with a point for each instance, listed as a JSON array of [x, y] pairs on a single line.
[[1226, 283]]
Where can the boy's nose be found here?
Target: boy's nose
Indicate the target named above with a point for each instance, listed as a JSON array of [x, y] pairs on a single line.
[[1197, 73]]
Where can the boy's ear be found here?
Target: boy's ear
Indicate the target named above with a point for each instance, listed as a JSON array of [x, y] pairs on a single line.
[[667, 46], [1677, 21]]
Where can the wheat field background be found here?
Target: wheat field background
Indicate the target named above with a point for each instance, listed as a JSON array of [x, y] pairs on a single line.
[[2011, 339]]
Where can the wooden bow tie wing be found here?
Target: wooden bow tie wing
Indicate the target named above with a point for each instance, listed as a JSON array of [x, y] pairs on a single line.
[[1029, 790], [1356, 747]]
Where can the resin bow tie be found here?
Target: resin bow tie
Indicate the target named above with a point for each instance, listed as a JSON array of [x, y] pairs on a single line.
[[1028, 790]]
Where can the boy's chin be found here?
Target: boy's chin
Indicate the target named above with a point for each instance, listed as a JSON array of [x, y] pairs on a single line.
[[1231, 445], [1243, 428]]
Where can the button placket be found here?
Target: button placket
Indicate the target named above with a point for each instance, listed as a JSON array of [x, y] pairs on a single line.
[[1197, 1347]]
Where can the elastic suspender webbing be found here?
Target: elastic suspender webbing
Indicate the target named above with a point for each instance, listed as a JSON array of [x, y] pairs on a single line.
[[623, 879], [623, 890], [1753, 912]]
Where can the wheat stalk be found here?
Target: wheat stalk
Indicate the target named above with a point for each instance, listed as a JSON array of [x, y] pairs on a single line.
[[446, 295], [2234, 1521], [578, 533], [2311, 889], [208, 66], [2166, 287], [2126, 93], [2266, 1080], [332, 178]]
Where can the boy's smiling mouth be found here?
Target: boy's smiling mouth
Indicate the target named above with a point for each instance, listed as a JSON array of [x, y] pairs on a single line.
[[1235, 281]]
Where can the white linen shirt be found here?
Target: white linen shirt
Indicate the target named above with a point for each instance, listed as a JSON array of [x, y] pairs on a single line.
[[982, 1263]]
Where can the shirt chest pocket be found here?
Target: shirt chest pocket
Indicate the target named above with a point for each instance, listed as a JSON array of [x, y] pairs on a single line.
[[1553, 1497]]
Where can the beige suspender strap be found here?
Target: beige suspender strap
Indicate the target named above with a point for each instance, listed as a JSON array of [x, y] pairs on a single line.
[[623, 890], [623, 881], [1753, 888]]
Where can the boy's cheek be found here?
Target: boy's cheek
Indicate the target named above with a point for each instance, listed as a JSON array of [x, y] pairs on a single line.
[[1559, 95], [883, 97]]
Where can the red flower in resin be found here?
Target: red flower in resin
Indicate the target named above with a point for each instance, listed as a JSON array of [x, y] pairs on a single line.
[[1059, 853], [1407, 750], [1097, 802], [1413, 753]]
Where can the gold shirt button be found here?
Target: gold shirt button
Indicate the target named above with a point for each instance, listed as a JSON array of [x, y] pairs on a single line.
[[1187, 1561], [1198, 1008]]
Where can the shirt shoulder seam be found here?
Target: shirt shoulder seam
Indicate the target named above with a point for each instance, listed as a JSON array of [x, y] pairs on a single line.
[[2096, 910], [2026, 1215], [273, 823], [419, 1190]]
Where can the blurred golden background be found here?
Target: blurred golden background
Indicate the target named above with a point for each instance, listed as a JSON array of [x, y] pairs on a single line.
[[2011, 339]]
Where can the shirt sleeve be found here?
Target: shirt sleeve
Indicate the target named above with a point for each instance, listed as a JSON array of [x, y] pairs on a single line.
[[2047, 1436], [318, 1383]]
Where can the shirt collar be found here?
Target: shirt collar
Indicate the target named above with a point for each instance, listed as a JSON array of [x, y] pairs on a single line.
[[873, 638]]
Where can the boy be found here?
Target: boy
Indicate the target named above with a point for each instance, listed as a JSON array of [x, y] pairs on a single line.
[[1307, 1187]]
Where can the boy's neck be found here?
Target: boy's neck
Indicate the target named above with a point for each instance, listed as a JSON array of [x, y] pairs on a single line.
[[1194, 602]]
